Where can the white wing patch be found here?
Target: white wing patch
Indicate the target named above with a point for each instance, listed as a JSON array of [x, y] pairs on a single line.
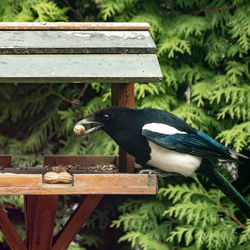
[[172, 161], [162, 128]]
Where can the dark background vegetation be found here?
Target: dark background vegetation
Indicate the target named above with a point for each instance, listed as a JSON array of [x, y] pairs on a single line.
[[203, 48]]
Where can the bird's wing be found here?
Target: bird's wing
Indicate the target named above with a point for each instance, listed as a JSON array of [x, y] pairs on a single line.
[[198, 144]]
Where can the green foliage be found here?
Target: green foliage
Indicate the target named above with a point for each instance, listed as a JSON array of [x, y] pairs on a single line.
[[31, 11], [200, 212], [196, 117], [238, 135], [143, 221], [245, 236], [197, 219], [203, 49]]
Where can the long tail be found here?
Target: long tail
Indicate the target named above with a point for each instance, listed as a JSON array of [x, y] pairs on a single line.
[[219, 180]]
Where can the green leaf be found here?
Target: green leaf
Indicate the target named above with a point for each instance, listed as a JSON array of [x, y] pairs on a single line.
[[169, 46], [238, 136]]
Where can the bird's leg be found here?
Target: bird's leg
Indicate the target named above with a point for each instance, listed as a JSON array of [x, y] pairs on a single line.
[[147, 171], [151, 171], [166, 174], [158, 175]]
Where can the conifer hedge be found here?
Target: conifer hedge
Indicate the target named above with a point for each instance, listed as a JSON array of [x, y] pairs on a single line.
[[203, 49]]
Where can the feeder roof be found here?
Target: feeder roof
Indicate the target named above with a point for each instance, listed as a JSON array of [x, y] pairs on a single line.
[[77, 52]]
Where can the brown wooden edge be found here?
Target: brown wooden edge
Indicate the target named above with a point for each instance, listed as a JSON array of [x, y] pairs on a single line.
[[5, 161], [86, 160], [40, 214], [75, 222], [122, 94], [12, 237], [73, 26]]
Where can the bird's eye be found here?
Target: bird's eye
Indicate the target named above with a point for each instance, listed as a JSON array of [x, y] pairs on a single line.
[[106, 117]]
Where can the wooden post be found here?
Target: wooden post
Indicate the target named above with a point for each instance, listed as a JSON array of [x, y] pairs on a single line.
[[40, 214], [122, 94], [75, 222]]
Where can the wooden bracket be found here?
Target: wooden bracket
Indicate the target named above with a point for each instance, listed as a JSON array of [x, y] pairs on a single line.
[[75, 222], [12, 237]]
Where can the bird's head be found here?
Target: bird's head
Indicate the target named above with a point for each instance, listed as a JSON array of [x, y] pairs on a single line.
[[113, 120], [124, 125]]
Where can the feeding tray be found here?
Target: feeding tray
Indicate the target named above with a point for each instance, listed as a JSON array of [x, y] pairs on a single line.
[[90, 175]]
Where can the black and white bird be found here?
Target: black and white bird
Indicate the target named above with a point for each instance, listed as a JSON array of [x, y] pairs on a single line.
[[159, 139]]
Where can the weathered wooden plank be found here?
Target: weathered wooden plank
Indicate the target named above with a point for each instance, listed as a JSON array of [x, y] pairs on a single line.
[[75, 222], [123, 95], [79, 68], [12, 237], [40, 213], [83, 184], [19, 180], [76, 42], [119, 180], [73, 26]]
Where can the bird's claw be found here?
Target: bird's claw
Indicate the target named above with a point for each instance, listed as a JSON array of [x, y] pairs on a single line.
[[147, 171], [150, 171]]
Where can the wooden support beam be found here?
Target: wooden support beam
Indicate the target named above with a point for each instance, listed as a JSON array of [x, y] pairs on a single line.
[[12, 237], [40, 214], [123, 95], [75, 222]]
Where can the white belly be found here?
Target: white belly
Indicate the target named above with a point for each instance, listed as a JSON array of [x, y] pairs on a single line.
[[172, 161]]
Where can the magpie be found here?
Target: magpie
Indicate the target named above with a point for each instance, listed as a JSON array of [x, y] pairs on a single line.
[[160, 139]]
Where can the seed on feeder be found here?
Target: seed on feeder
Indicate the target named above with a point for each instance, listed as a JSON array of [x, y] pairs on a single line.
[[53, 177], [79, 129]]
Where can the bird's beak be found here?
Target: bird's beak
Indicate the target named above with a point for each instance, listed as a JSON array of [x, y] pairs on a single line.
[[90, 120]]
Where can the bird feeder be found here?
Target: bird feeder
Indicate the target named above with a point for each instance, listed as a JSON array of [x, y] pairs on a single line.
[[116, 53]]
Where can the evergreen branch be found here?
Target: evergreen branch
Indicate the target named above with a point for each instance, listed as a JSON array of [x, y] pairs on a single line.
[[204, 190], [77, 100], [72, 102], [233, 217], [245, 236], [65, 99], [81, 18], [208, 11], [52, 92], [238, 136]]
